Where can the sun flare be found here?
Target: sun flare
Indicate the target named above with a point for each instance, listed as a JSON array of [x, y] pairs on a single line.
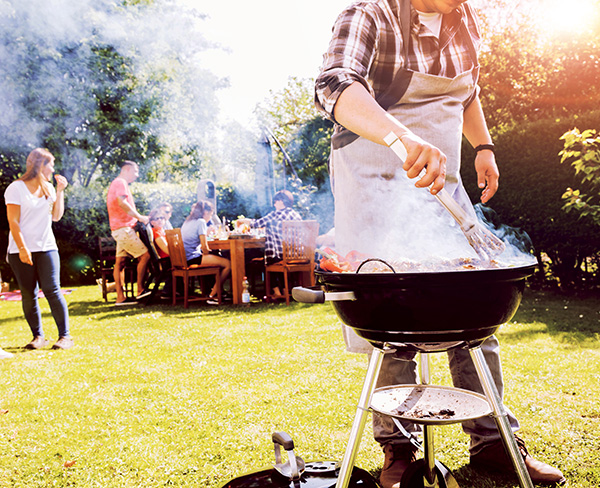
[[557, 17]]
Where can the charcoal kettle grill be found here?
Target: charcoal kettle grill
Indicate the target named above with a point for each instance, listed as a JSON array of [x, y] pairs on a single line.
[[425, 312]]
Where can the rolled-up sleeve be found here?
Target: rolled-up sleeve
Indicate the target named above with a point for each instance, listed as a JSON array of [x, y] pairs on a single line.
[[348, 57]]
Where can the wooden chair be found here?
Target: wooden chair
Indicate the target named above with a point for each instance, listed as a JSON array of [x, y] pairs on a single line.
[[107, 249], [181, 268], [299, 238]]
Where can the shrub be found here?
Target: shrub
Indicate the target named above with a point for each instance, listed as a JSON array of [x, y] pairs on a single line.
[[532, 182]]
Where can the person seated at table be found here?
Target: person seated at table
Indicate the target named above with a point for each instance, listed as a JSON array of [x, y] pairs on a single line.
[[157, 220], [166, 209], [282, 201], [193, 233]]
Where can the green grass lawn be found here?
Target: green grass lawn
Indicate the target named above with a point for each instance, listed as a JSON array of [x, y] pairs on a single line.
[[162, 396]]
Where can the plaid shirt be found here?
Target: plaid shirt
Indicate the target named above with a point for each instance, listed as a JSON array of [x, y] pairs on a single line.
[[367, 47], [272, 223]]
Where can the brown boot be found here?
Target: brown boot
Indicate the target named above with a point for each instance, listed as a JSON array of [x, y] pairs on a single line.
[[494, 457], [397, 459]]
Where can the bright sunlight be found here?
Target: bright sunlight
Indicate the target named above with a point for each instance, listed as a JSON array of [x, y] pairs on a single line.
[[560, 18]]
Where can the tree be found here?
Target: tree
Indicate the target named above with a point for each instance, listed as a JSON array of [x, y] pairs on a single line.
[[99, 82], [306, 136], [105, 82], [528, 76], [288, 109], [121, 126]]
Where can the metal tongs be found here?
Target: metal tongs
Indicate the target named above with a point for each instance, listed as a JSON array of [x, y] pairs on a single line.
[[482, 240]]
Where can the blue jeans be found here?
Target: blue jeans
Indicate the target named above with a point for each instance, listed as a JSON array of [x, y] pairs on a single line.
[[464, 375], [45, 272]]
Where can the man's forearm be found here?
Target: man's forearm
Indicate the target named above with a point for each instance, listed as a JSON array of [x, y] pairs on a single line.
[[128, 209], [358, 112], [474, 127]]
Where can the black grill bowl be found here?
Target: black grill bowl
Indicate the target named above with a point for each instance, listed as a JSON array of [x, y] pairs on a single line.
[[432, 311]]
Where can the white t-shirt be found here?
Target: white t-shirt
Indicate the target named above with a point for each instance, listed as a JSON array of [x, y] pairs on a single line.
[[36, 218], [432, 20]]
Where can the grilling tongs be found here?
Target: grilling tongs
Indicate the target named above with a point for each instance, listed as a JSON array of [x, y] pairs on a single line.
[[485, 244]]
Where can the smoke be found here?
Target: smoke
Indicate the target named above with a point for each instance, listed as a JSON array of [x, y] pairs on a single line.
[[519, 246], [45, 48], [408, 225]]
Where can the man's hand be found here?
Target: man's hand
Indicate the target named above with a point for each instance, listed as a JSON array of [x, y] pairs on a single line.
[[143, 219], [422, 155], [487, 174]]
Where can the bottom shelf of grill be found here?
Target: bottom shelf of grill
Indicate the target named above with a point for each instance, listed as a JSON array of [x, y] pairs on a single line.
[[429, 404]]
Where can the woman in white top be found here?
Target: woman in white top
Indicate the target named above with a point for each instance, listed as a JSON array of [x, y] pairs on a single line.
[[32, 204]]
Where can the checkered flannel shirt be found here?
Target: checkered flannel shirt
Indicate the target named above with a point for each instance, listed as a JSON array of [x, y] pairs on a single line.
[[272, 224], [367, 47]]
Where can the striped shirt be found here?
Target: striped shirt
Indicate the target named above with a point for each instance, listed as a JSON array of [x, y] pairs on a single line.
[[367, 47]]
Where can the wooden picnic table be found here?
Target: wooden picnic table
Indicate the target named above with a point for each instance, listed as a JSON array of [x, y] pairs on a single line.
[[237, 248]]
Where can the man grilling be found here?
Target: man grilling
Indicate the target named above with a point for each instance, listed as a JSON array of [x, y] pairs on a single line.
[[409, 67]]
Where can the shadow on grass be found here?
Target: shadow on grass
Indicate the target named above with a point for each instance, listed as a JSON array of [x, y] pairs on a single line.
[[102, 310], [467, 477], [571, 320], [107, 310]]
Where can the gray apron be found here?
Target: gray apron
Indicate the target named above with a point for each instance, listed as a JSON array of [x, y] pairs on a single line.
[[378, 210]]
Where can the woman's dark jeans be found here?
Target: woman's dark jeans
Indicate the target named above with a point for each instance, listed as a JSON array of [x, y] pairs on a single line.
[[45, 272]]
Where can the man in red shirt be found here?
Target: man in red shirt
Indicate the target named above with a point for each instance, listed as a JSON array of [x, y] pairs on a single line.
[[123, 216]]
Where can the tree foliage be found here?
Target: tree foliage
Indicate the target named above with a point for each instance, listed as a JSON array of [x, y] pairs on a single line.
[[532, 182], [288, 109], [305, 135], [105, 81], [528, 75], [582, 150], [119, 127]]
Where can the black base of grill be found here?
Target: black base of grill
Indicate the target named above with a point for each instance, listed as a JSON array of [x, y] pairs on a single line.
[[321, 474]]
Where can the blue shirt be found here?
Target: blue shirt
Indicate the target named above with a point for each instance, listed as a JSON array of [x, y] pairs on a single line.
[[191, 230]]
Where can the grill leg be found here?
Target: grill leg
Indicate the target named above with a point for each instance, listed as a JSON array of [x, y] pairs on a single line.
[[500, 415], [360, 419], [429, 475]]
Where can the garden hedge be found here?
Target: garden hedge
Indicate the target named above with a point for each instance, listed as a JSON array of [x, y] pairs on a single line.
[[532, 182]]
